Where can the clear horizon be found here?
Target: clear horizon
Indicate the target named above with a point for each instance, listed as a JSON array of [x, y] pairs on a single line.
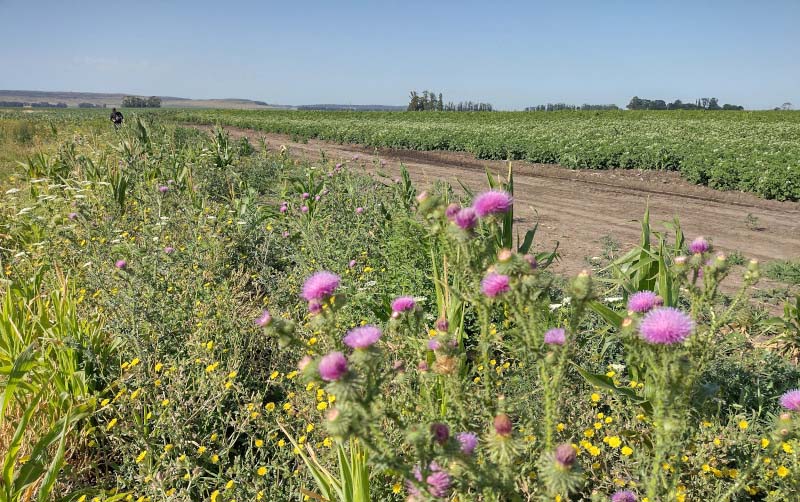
[[512, 55]]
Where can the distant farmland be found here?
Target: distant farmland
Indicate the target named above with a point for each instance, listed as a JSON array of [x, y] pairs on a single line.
[[753, 152]]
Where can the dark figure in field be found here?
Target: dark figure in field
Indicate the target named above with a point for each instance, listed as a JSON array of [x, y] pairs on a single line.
[[116, 117]]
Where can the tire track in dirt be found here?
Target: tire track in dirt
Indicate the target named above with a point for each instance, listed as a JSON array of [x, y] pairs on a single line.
[[582, 209]]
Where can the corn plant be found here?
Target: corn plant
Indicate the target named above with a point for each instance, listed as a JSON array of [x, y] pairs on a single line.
[[352, 482]]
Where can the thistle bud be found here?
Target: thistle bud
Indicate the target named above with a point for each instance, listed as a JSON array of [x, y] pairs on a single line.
[[440, 432], [502, 425], [565, 456], [581, 287], [679, 264], [504, 255]]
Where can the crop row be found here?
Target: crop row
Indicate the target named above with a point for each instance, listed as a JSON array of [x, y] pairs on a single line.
[[757, 152]]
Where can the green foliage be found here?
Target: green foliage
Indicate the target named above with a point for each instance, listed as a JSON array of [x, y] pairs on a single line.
[[152, 381]]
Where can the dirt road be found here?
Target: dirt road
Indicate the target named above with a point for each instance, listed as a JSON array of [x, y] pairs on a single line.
[[583, 209]]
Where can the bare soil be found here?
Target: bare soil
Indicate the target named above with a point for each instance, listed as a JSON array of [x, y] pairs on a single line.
[[583, 209]]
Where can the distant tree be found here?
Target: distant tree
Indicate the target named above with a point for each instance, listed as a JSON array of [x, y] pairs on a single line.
[[153, 102], [713, 104], [635, 104], [786, 106]]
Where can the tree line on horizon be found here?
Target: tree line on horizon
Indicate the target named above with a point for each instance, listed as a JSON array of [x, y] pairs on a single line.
[[638, 103], [141, 102], [430, 101], [557, 107]]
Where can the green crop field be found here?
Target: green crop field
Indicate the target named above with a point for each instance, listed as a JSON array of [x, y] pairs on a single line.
[[757, 152]]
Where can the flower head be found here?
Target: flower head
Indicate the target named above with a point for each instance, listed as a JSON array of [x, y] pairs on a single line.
[[469, 441], [565, 455], [502, 425], [72, 216], [494, 284], [359, 210], [163, 188], [403, 304], [440, 432], [623, 496], [451, 211], [791, 400], [555, 336], [305, 195], [438, 483], [643, 301], [666, 325], [303, 209], [265, 319], [466, 219], [699, 245], [362, 337], [332, 367], [121, 264], [169, 250], [492, 202], [320, 286]]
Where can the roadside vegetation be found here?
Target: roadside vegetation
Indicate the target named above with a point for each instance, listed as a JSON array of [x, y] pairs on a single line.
[[188, 318]]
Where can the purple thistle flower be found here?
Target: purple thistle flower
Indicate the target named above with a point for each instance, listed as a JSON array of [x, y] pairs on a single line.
[[339, 165], [699, 245], [438, 483], [285, 234], [644, 301], [623, 496], [121, 264], [434, 344], [362, 337], [284, 208], [317, 197], [169, 250], [163, 188], [440, 432], [333, 367], [402, 304], [555, 336], [314, 307], [494, 284], [352, 264], [492, 202], [451, 211], [791, 400], [321, 285], [305, 195], [531, 261], [359, 210], [442, 324], [466, 219], [565, 455], [423, 366], [265, 319], [665, 326], [72, 216], [304, 209], [468, 442]]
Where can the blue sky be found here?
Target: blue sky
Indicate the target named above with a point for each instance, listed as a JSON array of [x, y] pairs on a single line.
[[512, 54]]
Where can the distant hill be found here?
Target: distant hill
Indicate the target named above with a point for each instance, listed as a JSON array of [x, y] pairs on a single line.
[[354, 108], [72, 99]]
